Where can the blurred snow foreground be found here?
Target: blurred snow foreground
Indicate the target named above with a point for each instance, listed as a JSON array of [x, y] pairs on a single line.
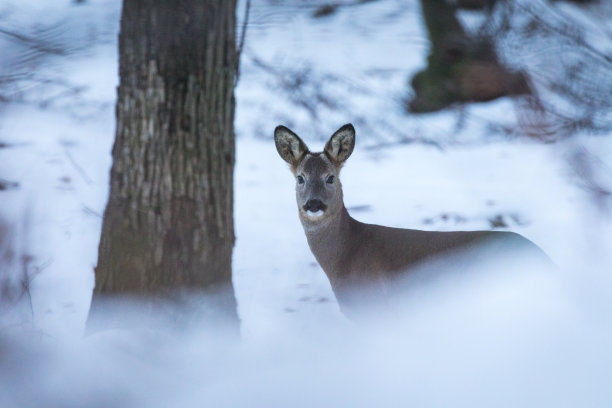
[[511, 339], [505, 334], [509, 334]]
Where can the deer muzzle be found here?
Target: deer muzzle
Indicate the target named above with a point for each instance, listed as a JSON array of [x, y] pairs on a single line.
[[314, 208]]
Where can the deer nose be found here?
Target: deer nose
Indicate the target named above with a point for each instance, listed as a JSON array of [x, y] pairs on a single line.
[[314, 206]]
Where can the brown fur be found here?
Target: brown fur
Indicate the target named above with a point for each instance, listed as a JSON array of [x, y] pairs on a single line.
[[357, 256]]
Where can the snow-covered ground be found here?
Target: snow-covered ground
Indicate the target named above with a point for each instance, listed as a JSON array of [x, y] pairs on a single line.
[[517, 340]]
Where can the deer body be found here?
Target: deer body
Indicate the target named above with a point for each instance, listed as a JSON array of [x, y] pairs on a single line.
[[360, 258]]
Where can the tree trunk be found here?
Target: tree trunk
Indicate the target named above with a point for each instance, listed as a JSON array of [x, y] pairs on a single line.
[[168, 224], [460, 68]]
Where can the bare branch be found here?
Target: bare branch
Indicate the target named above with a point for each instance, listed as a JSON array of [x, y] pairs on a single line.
[[242, 38]]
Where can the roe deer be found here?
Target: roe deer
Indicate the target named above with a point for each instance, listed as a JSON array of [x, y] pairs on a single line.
[[356, 255]]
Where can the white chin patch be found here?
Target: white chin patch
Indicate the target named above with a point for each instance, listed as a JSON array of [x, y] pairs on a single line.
[[314, 214]]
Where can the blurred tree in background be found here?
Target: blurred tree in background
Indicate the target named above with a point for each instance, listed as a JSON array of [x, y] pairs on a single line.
[[168, 225], [521, 48], [460, 67]]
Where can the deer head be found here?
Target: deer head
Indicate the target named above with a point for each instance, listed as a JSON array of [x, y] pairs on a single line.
[[318, 188]]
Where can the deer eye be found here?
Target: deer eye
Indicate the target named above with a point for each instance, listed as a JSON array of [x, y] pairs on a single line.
[[300, 180], [329, 180]]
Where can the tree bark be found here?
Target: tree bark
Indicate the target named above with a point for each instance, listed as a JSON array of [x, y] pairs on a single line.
[[168, 224]]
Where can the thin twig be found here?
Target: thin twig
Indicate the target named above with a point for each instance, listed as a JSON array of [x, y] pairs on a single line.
[[78, 168], [33, 43], [242, 39]]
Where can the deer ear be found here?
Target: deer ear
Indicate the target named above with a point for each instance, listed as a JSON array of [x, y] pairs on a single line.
[[290, 147], [341, 144]]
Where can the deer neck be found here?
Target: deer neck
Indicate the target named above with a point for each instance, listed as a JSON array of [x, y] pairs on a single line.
[[329, 240]]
